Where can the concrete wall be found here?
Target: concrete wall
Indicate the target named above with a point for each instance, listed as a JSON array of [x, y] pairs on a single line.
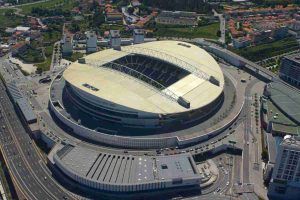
[[136, 142]]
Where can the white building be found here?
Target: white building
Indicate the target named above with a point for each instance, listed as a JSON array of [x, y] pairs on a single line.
[[67, 45], [126, 173], [91, 42], [115, 39], [138, 36], [285, 182]]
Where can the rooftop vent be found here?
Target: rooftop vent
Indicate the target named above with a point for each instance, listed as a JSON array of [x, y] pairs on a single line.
[[164, 166], [184, 45]]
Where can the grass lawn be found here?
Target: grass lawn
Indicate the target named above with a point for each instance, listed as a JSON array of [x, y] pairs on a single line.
[[44, 66], [63, 4], [75, 56], [263, 51], [9, 21], [208, 31]]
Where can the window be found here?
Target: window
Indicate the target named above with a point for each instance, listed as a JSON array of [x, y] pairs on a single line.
[[280, 189]]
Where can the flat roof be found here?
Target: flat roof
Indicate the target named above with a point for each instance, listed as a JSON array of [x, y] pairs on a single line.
[[26, 110], [281, 123], [126, 169], [124, 90], [14, 91], [286, 98], [294, 57]]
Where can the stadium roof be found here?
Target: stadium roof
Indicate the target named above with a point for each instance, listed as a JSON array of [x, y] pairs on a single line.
[[127, 91], [286, 98], [126, 169]]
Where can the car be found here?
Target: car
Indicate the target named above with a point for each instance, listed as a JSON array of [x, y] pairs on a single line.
[[227, 183], [219, 189]]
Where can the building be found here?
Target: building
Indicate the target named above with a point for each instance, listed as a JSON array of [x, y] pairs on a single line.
[[177, 18], [280, 32], [285, 182], [115, 39], [295, 25], [126, 173], [141, 89], [19, 48], [280, 109], [91, 42], [138, 36], [112, 15], [241, 42], [67, 45], [290, 69]]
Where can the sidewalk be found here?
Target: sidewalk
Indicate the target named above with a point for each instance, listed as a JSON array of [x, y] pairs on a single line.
[[256, 165]]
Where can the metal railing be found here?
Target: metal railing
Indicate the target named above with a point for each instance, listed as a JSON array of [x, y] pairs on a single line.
[[168, 58], [144, 79]]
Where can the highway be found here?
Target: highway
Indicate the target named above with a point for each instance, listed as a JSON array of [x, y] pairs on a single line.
[[28, 172]]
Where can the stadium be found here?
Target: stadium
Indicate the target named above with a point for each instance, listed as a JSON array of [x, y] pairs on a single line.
[[139, 90]]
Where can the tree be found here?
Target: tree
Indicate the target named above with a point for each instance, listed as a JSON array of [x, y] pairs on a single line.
[[9, 13], [74, 27], [264, 155]]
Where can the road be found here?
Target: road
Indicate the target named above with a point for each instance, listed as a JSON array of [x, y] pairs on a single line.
[[222, 26], [247, 130], [29, 173], [25, 4]]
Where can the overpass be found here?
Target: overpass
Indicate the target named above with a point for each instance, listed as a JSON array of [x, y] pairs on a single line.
[[237, 60]]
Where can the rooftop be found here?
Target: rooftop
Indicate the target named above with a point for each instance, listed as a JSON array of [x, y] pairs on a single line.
[[287, 99], [26, 110], [291, 141], [140, 96], [126, 169], [294, 57], [281, 123]]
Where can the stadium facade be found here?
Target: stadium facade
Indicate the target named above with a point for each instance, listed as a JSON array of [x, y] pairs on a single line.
[[156, 87]]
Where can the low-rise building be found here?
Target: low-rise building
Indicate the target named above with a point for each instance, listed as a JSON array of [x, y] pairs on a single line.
[[126, 173], [115, 39], [138, 36], [177, 18], [241, 42], [67, 45], [112, 15], [295, 25], [280, 32], [91, 42], [19, 48]]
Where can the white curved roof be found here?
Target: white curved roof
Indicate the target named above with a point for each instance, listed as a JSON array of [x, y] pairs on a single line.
[[127, 91]]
